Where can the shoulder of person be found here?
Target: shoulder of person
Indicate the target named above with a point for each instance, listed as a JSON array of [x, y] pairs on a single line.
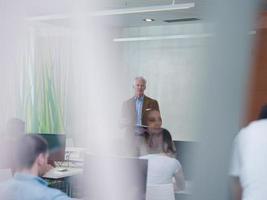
[[175, 162], [257, 124], [149, 156], [145, 157], [128, 101], [255, 127], [150, 99], [57, 194], [172, 161]]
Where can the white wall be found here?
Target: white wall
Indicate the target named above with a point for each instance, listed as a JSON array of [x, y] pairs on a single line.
[[12, 36], [171, 68]]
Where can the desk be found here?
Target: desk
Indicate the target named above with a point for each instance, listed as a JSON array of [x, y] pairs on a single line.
[[182, 196], [185, 194], [62, 180], [55, 174]]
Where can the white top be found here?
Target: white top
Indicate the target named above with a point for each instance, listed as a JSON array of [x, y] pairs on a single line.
[[161, 168], [249, 161]]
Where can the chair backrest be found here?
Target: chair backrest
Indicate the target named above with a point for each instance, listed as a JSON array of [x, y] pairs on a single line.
[[5, 174], [160, 192]]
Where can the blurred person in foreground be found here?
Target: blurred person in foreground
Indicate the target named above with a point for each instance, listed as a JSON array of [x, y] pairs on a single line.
[[133, 109], [27, 184], [249, 161]]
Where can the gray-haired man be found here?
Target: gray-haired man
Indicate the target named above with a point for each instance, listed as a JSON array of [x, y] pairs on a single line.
[[134, 108]]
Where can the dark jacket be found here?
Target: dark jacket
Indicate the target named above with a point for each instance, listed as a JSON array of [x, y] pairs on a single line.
[[129, 112]]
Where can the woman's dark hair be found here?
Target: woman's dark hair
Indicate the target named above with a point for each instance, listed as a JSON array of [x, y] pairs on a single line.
[[29, 147], [167, 144], [263, 112]]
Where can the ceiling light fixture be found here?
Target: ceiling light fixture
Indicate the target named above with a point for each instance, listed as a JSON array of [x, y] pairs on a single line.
[[166, 37], [149, 20]]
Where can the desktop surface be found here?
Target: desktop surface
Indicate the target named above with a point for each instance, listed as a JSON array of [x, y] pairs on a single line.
[[59, 172]]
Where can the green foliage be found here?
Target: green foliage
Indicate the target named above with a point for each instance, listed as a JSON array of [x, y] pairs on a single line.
[[43, 110]]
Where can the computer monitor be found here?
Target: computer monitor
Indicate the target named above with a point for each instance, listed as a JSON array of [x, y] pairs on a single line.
[[56, 146], [117, 178]]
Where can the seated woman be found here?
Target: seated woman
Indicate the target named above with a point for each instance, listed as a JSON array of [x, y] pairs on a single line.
[[162, 168]]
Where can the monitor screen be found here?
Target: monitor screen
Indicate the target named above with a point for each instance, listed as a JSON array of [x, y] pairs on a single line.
[[185, 153], [56, 146]]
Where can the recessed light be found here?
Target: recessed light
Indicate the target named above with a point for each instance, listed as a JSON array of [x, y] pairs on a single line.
[[149, 20]]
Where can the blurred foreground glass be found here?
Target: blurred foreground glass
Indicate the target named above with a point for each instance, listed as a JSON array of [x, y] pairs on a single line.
[[221, 94]]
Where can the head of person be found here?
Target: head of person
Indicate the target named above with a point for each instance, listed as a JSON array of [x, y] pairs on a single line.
[[167, 145], [152, 119], [32, 154], [139, 86], [263, 112], [15, 128]]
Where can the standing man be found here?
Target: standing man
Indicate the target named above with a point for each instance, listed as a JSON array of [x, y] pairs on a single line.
[[133, 109]]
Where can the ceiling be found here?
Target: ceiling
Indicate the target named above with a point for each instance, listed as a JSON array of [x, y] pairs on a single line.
[[129, 19], [115, 4]]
